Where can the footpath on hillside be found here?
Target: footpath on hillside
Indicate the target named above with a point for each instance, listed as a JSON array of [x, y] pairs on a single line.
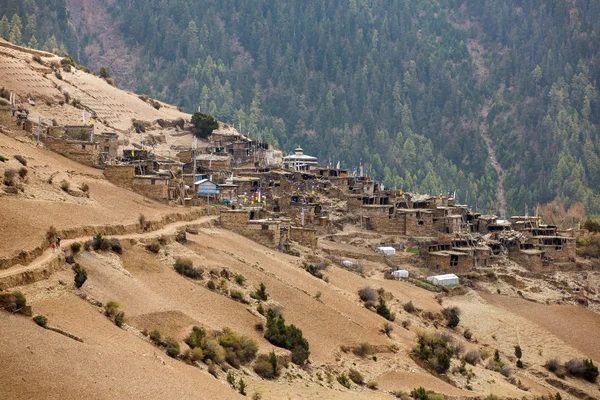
[[49, 255]]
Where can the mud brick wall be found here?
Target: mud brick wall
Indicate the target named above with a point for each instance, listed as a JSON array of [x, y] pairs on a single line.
[[156, 192], [74, 151], [412, 227], [6, 118], [120, 175], [234, 220], [441, 263], [528, 261], [306, 237]]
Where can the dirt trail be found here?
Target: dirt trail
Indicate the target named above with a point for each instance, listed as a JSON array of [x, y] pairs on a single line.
[[49, 255], [500, 196]]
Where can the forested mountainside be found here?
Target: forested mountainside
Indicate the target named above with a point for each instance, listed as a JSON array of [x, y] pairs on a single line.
[[408, 88]]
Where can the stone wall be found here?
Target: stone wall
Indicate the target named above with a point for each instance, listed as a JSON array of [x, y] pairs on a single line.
[[418, 226], [304, 236], [234, 219], [120, 175], [6, 118], [532, 262], [82, 152], [441, 263]]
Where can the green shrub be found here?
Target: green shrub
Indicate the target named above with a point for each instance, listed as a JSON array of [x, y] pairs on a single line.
[[111, 309], [172, 347], [435, 350], [343, 380], [383, 310], [582, 369], [211, 285], [242, 387], [226, 346], [75, 247], [20, 300], [119, 319], [80, 275], [3, 158], [154, 246], [260, 293], [103, 73], [185, 267], [203, 124], [115, 245], [41, 320], [451, 314], [311, 269], [288, 337], [238, 296], [473, 357], [356, 377], [240, 279], [267, 366], [155, 336]]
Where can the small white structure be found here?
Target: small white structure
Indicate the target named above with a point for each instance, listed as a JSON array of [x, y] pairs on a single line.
[[444, 280], [401, 273], [299, 161], [347, 264], [387, 251]]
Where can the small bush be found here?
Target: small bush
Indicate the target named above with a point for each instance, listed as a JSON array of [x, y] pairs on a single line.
[[367, 294], [80, 275], [238, 296], [64, 185], [409, 307], [115, 245], [85, 188], [211, 285], [242, 387], [356, 377], [172, 347], [451, 314], [111, 309], [154, 246], [3, 158], [20, 300], [110, 81], [582, 369], [267, 366], [41, 320], [260, 293], [314, 271], [468, 335], [240, 279], [552, 365], [58, 75], [185, 267], [343, 380], [156, 337], [99, 243], [383, 310], [288, 337], [387, 329], [473, 357], [435, 350], [21, 159], [23, 172], [9, 177], [76, 103], [363, 350], [119, 319], [37, 59], [75, 247], [103, 73]]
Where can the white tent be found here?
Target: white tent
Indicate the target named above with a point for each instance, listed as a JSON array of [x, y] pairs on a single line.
[[401, 273], [347, 264], [444, 280], [387, 251]]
